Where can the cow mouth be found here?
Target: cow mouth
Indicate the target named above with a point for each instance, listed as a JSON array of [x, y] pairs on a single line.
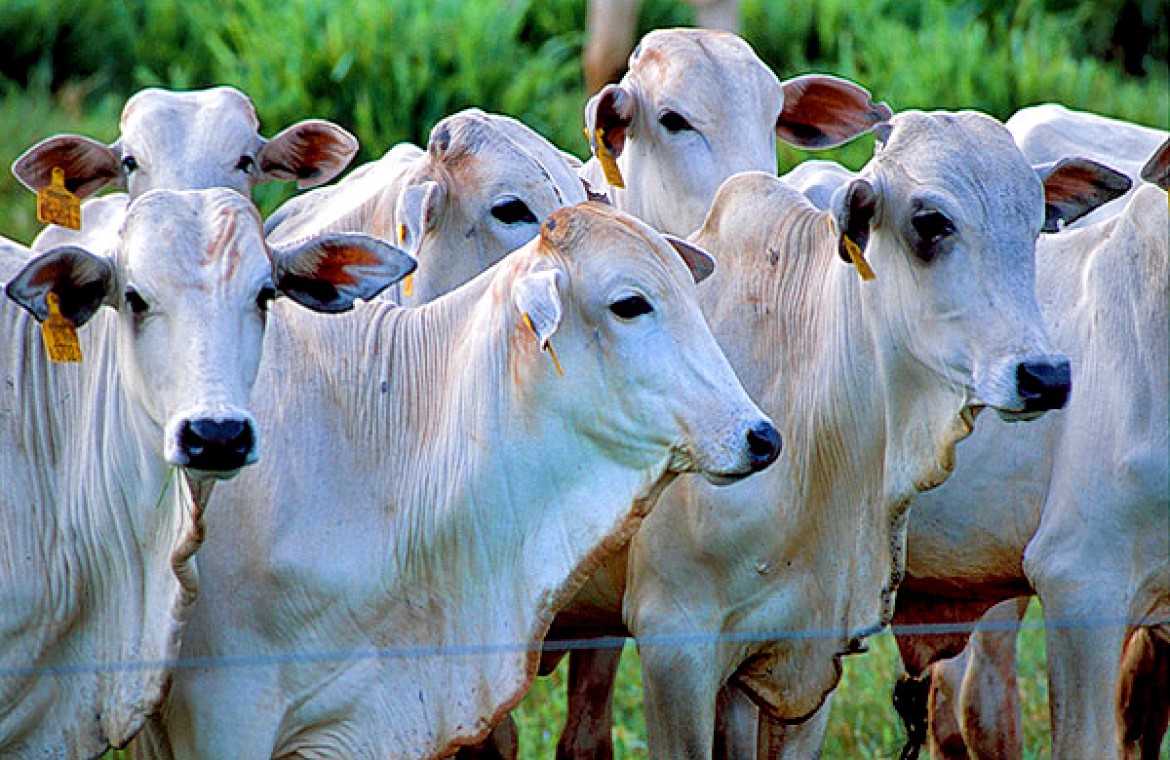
[[724, 478], [1017, 415]]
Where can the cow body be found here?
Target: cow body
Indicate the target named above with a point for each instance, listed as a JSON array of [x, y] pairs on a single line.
[[100, 528], [479, 191], [814, 546], [481, 487], [1073, 510]]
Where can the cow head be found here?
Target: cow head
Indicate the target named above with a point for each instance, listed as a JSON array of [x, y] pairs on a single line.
[[947, 213], [190, 140], [642, 374], [480, 191], [698, 106], [189, 287]]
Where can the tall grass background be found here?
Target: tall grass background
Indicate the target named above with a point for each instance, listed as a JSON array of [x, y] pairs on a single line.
[[389, 69]]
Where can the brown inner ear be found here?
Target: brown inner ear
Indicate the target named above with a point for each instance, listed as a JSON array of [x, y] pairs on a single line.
[[315, 147], [612, 123], [1157, 169], [86, 170], [1076, 187], [823, 112]]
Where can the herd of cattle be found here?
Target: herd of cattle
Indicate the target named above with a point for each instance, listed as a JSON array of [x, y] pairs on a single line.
[[342, 523]]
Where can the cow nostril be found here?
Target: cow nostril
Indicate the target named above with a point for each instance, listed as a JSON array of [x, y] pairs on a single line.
[[1044, 384], [216, 445], [764, 445]]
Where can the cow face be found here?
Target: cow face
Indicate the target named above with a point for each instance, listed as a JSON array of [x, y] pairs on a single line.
[[480, 192], [190, 285], [190, 140], [698, 106], [951, 210], [642, 374]]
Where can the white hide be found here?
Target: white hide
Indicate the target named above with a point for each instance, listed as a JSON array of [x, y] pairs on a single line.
[[1075, 506], [433, 491], [1047, 133], [180, 141], [478, 192], [98, 539], [698, 106], [879, 380]]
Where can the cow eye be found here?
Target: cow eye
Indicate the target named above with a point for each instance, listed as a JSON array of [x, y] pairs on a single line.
[[246, 164], [129, 164], [931, 228], [513, 211], [136, 302], [265, 297], [674, 122], [630, 307]]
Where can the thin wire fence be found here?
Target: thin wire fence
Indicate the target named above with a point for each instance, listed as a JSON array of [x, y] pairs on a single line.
[[699, 638]]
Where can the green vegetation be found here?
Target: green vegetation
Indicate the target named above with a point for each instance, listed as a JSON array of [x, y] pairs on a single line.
[[389, 69], [863, 723]]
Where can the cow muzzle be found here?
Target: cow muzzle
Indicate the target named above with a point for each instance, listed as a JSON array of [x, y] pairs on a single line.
[[763, 441], [216, 447], [1044, 384]]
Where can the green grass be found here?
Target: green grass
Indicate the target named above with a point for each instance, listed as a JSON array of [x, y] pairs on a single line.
[[863, 723]]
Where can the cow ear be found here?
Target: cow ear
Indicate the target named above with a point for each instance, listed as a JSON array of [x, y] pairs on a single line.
[[1075, 186], [330, 272], [854, 207], [1157, 169], [88, 164], [417, 212], [82, 282], [611, 111], [701, 264], [310, 152], [822, 112], [537, 295]]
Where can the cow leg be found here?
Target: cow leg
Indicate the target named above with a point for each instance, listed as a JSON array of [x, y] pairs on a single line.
[[612, 27], [736, 718], [680, 684], [943, 724], [588, 726], [794, 741], [989, 702], [717, 14], [1084, 658], [1143, 693]]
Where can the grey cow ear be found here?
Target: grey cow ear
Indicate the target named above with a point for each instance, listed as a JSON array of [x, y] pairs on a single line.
[[88, 164], [854, 207], [311, 152], [1157, 169], [611, 111], [537, 296], [81, 281], [416, 212], [701, 263], [329, 273], [1075, 186]]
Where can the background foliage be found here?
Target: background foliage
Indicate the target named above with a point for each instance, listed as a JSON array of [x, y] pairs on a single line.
[[389, 69]]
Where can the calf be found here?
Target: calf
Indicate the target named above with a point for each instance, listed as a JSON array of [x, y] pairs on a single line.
[[99, 529]]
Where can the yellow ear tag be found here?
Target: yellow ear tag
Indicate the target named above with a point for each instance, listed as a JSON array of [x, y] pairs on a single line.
[[858, 259], [56, 205], [551, 351], [59, 334], [613, 175], [408, 281]]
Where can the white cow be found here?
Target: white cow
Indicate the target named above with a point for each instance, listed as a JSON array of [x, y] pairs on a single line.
[[99, 531], [479, 191], [179, 141], [438, 488], [1047, 133], [1075, 511], [887, 377], [698, 106]]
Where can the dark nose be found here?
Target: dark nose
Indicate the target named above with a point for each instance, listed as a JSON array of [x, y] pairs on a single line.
[[764, 445], [216, 445], [1044, 384]]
